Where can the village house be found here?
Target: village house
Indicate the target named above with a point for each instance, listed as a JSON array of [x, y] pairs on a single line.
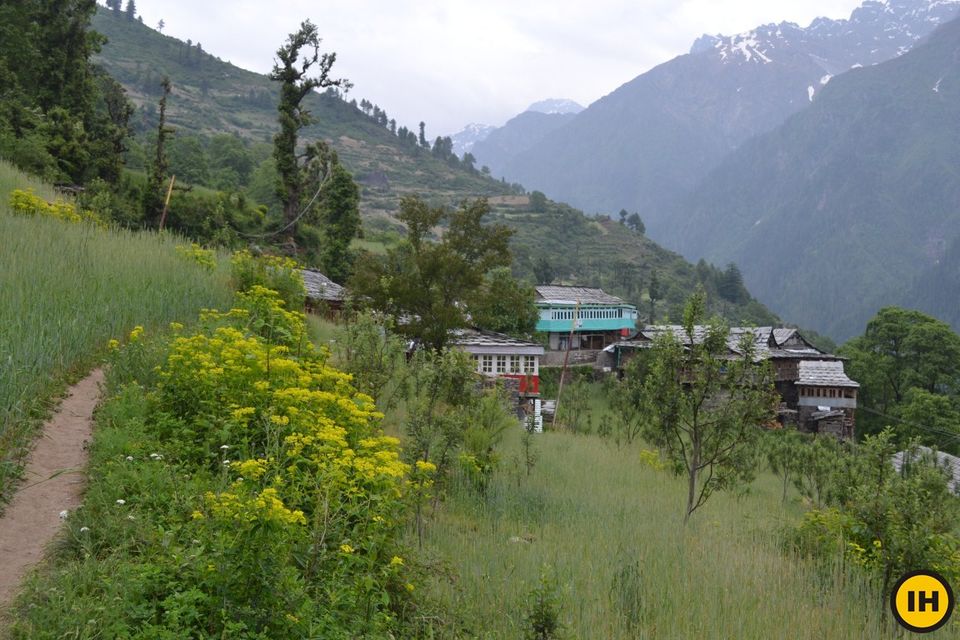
[[816, 394], [595, 318], [323, 294], [512, 362]]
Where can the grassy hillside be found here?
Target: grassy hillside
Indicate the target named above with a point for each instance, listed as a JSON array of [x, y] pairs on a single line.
[[65, 290], [838, 211], [607, 530], [213, 96]]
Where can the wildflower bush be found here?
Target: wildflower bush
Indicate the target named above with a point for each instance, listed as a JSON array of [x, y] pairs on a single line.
[[883, 522], [259, 496], [206, 258], [26, 203], [273, 272]]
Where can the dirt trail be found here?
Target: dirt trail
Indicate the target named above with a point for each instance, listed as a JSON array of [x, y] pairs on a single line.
[[53, 483]]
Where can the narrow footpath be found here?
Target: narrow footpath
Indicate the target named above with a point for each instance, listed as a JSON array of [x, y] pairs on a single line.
[[53, 483]]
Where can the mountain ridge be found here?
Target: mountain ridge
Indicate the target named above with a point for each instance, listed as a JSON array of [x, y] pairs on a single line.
[[650, 141], [848, 204]]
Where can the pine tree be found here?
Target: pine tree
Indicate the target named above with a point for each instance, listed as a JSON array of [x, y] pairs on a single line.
[[153, 199], [131, 10], [423, 136], [300, 74]]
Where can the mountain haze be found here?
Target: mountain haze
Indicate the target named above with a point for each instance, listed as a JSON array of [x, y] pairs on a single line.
[[852, 204], [653, 139]]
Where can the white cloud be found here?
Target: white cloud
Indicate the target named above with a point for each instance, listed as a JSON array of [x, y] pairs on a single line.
[[450, 62]]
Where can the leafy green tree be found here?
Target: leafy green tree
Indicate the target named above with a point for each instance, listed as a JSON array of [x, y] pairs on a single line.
[[469, 162], [538, 202], [188, 160], [340, 204], [52, 117], [888, 522], [635, 223], [931, 418], [432, 287], [901, 350], [505, 305], [301, 69], [543, 271], [131, 10], [228, 152], [114, 5], [782, 449], [705, 406], [369, 350]]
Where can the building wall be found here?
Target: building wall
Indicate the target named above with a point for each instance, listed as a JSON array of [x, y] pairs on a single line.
[[609, 318]]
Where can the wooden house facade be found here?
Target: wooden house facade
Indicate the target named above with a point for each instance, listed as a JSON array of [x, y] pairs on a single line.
[[816, 394], [514, 362], [595, 318]]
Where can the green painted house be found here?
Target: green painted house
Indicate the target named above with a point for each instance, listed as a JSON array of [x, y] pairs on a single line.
[[597, 318]]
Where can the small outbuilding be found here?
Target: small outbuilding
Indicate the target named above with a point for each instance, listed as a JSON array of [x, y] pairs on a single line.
[[323, 294]]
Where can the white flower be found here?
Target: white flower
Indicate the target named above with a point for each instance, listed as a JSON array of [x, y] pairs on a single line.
[[64, 514], [130, 518], [129, 458], [224, 447], [84, 529], [121, 502], [226, 462], [156, 456]]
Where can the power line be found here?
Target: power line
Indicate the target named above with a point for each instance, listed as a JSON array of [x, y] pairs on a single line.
[[934, 430], [295, 220]]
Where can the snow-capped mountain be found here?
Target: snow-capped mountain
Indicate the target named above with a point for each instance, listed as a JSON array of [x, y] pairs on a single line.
[[877, 31], [555, 105], [649, 142], [470, 135]]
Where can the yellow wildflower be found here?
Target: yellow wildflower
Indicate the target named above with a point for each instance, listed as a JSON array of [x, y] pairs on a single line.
[[346, 548]]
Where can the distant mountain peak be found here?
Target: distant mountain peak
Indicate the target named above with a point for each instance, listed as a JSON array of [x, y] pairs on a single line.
[[876, 31], [555, 105], [470, 135]]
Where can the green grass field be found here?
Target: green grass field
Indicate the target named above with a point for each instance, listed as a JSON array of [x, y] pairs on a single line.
[[65, 290], [608, 530]]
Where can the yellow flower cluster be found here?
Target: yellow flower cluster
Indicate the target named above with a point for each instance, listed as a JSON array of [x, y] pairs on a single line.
[[650, 458], [195, 253], [265, 506], [27, 203]]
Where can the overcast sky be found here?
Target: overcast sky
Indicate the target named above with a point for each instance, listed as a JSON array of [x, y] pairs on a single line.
[[450, 62]]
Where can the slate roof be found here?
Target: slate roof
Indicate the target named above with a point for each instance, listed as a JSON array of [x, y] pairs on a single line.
[[950, 464], [824, 373], [760, 337], [481, 338], [556, 294], [781, 335], [320, 287]]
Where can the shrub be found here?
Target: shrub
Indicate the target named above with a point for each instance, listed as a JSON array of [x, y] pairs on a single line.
[[26, 203], [273, 272]]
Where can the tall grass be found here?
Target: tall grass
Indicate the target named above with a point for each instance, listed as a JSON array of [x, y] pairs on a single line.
[[65, 290], [609, 531]]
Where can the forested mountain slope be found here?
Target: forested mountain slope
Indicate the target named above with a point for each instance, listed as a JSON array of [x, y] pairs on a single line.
[[653, 139], [837, 212]]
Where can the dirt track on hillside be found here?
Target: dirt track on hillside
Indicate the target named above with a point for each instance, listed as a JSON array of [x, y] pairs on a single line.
[[53, 483]]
